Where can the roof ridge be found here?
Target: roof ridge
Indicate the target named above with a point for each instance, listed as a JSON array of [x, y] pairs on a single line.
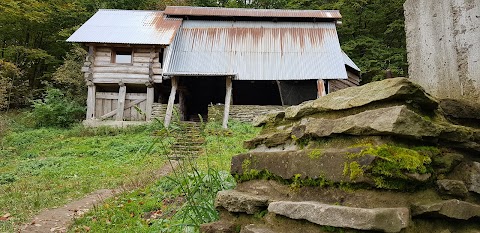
[[129, 10]]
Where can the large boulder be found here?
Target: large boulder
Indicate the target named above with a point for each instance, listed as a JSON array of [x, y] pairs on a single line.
[[399, 90], [380, 219], [399, 121], [382, 145], [396, 120]]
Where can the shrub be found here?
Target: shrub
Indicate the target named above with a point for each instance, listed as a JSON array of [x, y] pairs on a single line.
[[56, 110]]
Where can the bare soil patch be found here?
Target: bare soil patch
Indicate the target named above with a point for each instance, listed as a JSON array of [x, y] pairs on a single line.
[[58, 219]]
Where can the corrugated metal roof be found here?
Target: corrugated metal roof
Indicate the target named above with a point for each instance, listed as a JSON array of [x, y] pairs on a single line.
[[349, 62], [127, 27], [245, 12], [257, 50]]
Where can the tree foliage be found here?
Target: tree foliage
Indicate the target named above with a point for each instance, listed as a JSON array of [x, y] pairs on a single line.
[[69, 76], [8, 73], [33, 34], [14, 88]]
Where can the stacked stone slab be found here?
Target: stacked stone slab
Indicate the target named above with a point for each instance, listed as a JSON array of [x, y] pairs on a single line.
[[381, 157]]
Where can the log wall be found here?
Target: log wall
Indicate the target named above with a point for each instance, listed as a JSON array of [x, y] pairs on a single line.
[[100, 68], [145, 66]]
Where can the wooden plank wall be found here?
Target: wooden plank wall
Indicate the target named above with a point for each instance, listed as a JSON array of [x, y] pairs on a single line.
[[108, 101], [338, 84], [138, 72]]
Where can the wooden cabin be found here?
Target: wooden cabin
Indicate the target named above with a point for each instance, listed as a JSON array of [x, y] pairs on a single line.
[[123, 69], [242, 61]]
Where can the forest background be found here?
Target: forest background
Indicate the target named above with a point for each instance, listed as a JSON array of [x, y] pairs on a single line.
[[34, 56]]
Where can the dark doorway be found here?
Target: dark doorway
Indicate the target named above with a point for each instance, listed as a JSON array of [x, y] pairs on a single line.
[[199, 93], [296, 92], [256, 93]]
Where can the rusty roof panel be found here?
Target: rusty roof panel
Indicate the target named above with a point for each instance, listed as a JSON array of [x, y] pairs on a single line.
[[256, 50], [127, 27], [245, 12]]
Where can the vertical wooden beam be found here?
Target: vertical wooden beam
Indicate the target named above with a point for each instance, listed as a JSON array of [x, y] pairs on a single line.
[[321, 88], [149, 104], [280, 92], [90, 62], [121, 101], [183, 106], [228, 96], [171, 101], [91, 100]]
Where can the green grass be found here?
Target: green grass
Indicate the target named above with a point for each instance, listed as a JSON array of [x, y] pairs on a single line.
[[181, 201], [47, 167]]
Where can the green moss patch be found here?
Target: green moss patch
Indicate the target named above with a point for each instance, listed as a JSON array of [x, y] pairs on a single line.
[[391, 164]]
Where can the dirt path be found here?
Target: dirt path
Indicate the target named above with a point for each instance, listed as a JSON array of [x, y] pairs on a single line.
[[58, 219]]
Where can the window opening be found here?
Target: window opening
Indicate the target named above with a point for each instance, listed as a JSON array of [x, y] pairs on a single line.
[[123, 56]]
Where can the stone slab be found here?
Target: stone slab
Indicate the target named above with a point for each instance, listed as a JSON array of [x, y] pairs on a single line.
[[313, 163], [240, 202], [380, 219], [386, 90], [454, 209], [396, 120]]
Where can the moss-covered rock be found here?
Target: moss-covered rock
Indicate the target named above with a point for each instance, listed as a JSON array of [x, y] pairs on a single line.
[[385, 144], [448, 209], [461, 112], [304, 164], [396, 120], [388, 90]]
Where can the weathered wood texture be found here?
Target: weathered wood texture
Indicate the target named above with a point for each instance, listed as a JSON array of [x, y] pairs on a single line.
[[149, 103], [336, 85], [91, 101], [121, 102], [228, 97], [107, 104], [145, 67], [171, 101]]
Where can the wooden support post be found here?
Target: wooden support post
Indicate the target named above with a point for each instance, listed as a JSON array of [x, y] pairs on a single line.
[[182, 104], [228, 96], [91, 100], [280, 92], [321, 88], [149, 104], [171, 101], [90, 62], [121, 101]]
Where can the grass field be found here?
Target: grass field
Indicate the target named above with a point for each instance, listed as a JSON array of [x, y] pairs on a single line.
[[181, 201], [47, 167]]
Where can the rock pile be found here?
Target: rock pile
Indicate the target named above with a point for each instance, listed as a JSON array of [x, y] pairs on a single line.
[[385, 157]]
